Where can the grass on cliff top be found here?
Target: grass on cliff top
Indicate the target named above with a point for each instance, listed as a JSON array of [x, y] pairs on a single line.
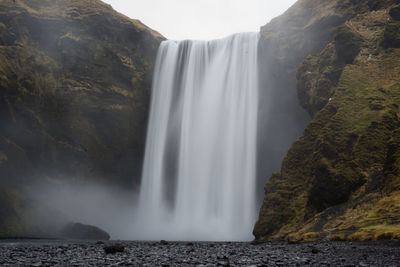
[[76, 9], [52, 8]]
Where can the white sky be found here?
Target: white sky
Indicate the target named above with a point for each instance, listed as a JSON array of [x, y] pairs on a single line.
[[202, 19]]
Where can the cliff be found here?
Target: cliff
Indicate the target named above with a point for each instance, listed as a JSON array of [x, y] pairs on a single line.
[[341, 179], [74, 97]]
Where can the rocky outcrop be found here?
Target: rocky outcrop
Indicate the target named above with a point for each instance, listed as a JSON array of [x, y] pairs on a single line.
[[306, 28], [74, 94], [340, 179]]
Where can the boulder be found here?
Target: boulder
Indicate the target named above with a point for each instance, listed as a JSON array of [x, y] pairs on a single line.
[[112, 249], [80, 231]]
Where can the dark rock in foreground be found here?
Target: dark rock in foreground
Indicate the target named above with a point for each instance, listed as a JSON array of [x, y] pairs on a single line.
[[112, 249], [80, 231], [51, 253]]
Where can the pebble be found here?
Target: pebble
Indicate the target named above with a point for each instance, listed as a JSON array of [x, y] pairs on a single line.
[[63, 253]]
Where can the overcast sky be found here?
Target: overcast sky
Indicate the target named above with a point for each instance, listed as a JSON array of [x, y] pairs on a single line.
[[202, 19]]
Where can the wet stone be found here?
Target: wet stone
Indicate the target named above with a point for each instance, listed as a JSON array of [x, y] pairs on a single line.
[[60, 253]]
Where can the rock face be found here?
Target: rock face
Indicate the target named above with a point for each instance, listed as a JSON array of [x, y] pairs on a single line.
[[341, 179], [285, 42], [74, 94]]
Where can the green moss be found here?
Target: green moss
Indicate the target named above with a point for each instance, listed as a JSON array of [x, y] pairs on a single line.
[[341, 178], [348, 153], [316, 79], [74, 92]]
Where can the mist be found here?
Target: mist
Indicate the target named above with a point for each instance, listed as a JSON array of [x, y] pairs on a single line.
[[109, 208], [75, 144], [199, 171]]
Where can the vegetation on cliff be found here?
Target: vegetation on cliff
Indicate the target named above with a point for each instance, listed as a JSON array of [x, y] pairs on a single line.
[[74, 96], [340, 180]]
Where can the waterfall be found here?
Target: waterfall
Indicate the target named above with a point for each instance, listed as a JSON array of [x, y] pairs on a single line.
[[198, 180]]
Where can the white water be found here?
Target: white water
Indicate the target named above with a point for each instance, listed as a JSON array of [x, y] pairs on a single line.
[[198, 180]]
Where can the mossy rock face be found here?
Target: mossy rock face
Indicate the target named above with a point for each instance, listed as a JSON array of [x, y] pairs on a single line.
[[375, 5], [278, 194], [392, 164], [395, 13], [330, 187], [304, 30], [75, 80], [340, 180], [347, 44], [75, 88], [317, 77], [392, 35]]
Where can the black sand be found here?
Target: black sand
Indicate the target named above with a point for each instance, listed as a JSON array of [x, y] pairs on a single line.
[[66, 253]]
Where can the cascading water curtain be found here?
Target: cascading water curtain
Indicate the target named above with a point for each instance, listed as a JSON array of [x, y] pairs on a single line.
[[199, 172]]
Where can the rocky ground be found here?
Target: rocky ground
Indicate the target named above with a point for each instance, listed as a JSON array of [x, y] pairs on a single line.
[[63, 253]]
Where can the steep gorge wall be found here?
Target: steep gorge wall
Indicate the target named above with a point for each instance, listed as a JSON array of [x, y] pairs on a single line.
[[340, 179], [285, 42], [305, 29], [74, 97]]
